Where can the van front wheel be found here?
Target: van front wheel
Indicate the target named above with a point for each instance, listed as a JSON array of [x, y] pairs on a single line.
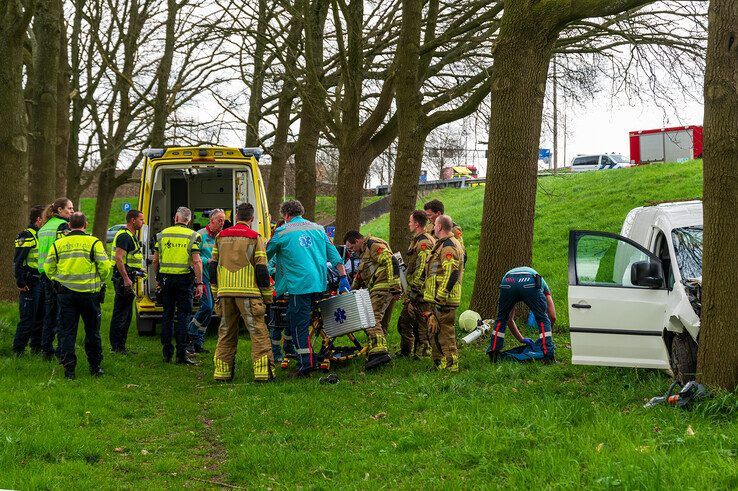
[[683, 357]]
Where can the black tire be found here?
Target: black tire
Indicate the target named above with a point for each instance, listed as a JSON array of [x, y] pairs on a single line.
[[683, 358], [145, 327]]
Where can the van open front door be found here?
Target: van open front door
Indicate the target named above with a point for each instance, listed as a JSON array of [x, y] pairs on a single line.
[[617, 302]]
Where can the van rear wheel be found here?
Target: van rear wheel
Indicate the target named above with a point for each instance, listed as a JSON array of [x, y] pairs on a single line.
[[145, 327], [683, 358]]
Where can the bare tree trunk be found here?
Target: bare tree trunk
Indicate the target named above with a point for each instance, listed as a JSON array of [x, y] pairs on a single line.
[[62, 112], [74, 170], [281, 151], [14, 19], [717, 356], [305, 164], [161, 100], [106, 187], [42, 179], [518, 79], [257, 79], [353, 165], [281, 148], [410, 124], [311, 125]]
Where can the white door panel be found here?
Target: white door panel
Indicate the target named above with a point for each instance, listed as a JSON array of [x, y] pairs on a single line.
[[622, 327], [614, 322]]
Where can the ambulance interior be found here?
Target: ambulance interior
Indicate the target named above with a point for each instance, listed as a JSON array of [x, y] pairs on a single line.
[[200, 189]]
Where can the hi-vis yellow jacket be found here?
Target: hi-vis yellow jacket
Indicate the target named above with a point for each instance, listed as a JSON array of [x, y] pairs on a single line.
[[377, 270], [239, 264], [79, 262], [444, 272], [417, 257]]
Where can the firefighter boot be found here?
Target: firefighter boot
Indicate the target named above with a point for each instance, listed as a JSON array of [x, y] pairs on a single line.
[[377, 351], [263, 370]]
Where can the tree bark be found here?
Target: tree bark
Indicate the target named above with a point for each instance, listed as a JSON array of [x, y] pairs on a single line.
[[74, 169], [42, 178], [410, 124], [717, 356], [305, 163], [311, 123], [281, 148], [518, 78], [106, 187], [62, 112], [257, 80], [163, 70], [14, 19], [353, 165]]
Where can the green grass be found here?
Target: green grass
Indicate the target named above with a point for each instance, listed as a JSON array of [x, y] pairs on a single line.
[[325, 206], [149, 425]]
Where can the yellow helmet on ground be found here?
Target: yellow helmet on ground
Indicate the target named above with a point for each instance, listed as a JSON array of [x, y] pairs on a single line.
[[468, 320]]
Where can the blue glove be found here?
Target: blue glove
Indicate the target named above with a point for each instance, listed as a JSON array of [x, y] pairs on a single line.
[[343, 285], [529, 342]]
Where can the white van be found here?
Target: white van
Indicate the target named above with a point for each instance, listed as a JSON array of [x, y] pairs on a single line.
[[603, 161], [634, 297]]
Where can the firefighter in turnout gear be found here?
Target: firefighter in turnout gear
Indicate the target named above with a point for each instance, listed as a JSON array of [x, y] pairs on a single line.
[[178, 266], [442, 293], [28, 281], [55, 227], [434, 209], [79, 266], [239, 268], [379, 273], [411, 324], [128, 268]]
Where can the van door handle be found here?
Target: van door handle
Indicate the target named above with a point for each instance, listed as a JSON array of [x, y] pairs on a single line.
[[581, 306]]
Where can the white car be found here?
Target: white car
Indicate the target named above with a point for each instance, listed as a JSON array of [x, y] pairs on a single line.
[[634, 298], [603, 161]]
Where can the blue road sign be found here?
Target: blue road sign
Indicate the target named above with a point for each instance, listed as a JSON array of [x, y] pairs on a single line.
[[544, 153], [126, 207]]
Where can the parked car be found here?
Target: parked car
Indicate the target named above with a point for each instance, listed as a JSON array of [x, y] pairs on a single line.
[[112, 231], [634, 298], [602, 161]]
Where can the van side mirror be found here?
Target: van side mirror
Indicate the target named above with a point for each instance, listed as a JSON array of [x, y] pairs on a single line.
[[646, 273]]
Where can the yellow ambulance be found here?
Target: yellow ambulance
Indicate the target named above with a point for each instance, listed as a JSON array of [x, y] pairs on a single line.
[[200, 178]]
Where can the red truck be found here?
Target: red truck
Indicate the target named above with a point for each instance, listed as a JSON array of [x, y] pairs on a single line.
[[666, 144]]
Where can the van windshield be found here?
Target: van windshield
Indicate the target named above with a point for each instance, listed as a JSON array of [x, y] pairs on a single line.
[[688, 250], [618, 159]]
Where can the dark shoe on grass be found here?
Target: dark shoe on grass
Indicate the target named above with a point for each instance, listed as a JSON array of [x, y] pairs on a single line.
[[97, 372], [376, 361]]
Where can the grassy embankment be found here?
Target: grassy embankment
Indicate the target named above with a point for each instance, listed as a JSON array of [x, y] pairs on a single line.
[[149, 425]]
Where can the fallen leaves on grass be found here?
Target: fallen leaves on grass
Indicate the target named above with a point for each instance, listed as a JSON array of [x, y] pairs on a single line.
[[656, 429], [144, 452], [690, 431], [119, 449], [132, 386], [379, 415], [600, 447], [207, 422], [644, 449]]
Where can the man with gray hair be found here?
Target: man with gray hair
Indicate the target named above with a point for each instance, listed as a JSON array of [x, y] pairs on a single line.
[[178, 266], [199, 324], [302, 250]]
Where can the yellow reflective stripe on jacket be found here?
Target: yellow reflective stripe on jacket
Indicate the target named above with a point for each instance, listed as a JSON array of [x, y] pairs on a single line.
[[176, 245], [237, 283], [31, 243], [78, 262], [132, 259]]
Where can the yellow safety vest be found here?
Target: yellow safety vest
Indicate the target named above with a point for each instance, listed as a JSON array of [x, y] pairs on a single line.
[[32, 243], [176, 244], [132, 259], [78, 261]]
